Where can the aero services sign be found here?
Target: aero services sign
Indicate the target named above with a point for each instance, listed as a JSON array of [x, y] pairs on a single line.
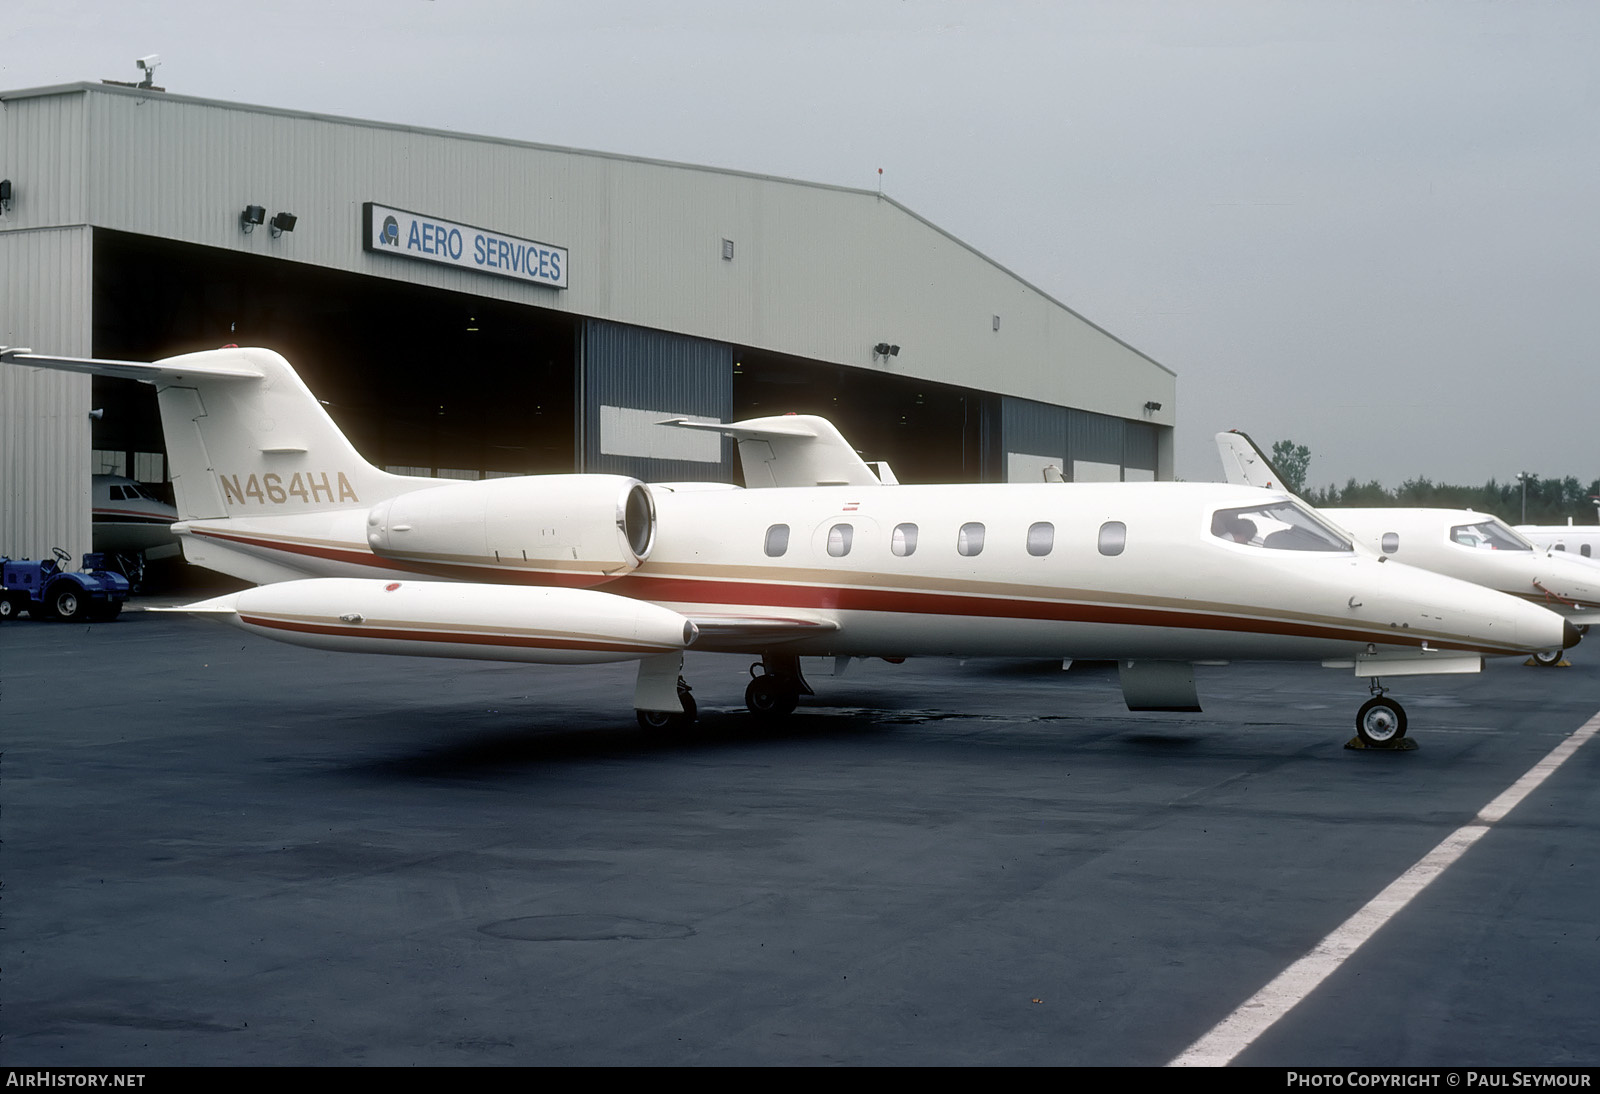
[[387, 230]]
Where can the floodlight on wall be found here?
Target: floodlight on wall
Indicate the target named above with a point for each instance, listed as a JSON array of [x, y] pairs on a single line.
[[1151, 406], [885, 350], [282, 222], [5, 194], [252, 215]]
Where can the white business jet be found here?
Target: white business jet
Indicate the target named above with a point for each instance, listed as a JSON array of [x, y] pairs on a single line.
[[1579, 540], [1460, 543], [825, 560]]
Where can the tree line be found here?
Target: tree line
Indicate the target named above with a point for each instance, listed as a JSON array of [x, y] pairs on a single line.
[[1549, 500]]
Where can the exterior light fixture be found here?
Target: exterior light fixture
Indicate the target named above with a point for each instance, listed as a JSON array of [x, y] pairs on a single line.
[[252, 215], [1151, 406], [5, 194], [282, 222], [885, 350]]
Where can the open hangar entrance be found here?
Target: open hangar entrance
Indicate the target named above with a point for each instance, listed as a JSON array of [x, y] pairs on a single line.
[[927, 432], [422, 380], [433, 382]]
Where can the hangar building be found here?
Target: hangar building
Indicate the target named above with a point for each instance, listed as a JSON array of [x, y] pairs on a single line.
[[470, 306]]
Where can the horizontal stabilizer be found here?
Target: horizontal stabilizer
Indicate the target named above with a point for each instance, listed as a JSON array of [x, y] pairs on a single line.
[[174, 370]]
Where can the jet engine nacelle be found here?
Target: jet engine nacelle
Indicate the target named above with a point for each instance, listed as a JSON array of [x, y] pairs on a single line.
[[587, 528]]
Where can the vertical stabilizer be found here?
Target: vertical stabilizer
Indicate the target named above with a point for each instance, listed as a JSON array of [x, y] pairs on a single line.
[[245, 436]]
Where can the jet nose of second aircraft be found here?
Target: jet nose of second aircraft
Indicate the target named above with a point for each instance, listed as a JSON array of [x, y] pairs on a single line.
[[1570, 635]]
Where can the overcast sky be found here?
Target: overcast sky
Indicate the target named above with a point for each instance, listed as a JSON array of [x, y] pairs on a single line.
[[1370, 226]]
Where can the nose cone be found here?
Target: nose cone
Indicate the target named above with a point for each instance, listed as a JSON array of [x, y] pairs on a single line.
[[1570, 635]]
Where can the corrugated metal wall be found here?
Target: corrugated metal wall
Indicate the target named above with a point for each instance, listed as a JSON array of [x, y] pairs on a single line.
[[1086, 446], [630, 379], [1141, 450], [44, 416], [817, 272]]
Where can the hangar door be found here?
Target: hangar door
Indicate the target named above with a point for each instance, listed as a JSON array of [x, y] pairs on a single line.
[[630, 378], [1087, 447]]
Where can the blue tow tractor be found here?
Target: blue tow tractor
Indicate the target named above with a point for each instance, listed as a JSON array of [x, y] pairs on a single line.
[[50, 592]]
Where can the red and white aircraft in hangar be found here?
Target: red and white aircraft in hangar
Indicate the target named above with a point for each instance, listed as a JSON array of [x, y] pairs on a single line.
[[816, 556]]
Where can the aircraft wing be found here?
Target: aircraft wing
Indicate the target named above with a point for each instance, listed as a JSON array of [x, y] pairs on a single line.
[[172, 370], [791, 450]]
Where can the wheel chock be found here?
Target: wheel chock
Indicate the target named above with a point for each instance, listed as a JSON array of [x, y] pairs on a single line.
[[1534, 662], [1399, 744]]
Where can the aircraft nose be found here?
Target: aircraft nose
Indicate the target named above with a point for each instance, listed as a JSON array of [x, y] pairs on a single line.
[[1570, 635]]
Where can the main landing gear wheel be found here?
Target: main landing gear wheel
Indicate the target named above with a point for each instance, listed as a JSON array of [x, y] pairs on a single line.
[[775, 687], [670, 721], [1549, 658], [770, 697], [1380, 722]]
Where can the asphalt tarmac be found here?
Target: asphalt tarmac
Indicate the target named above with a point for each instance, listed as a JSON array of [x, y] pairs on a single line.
[[220, 850]]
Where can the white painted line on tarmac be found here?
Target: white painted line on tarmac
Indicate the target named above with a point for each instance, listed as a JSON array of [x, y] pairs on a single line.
[[1239, 1030]]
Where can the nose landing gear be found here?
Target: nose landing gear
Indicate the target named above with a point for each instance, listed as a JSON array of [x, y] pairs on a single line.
[[1381, 722]]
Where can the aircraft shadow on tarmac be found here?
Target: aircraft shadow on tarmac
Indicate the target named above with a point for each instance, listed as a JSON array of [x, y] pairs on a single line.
[[497, 749]]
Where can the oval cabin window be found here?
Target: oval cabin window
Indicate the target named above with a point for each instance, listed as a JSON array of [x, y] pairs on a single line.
[[903, 541], [839, 537], [1390, 542], [1041, 538], [1113, 537], [777, 540], [969, 541]]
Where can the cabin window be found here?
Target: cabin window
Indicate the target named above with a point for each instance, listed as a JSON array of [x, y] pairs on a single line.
[[1390, 542], [903, 541], [1584, 550], [1559, 546], [777, 540], [1041, 538], [1113, 537], [969, 541], [839, 537], [1279, 526]]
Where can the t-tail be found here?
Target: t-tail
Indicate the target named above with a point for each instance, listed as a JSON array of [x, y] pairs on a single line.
[[246, 439]]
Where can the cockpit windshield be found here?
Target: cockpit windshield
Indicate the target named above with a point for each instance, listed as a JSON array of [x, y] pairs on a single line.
[[1490, 534], [1278, 526]]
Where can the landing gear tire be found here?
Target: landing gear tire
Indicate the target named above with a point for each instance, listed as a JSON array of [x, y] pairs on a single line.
[[670, 721], [1380, 722], [68, 605], [769, 697], [1550, 658]]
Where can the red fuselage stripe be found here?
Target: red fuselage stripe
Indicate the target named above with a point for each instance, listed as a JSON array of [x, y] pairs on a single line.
[[836, 598]]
